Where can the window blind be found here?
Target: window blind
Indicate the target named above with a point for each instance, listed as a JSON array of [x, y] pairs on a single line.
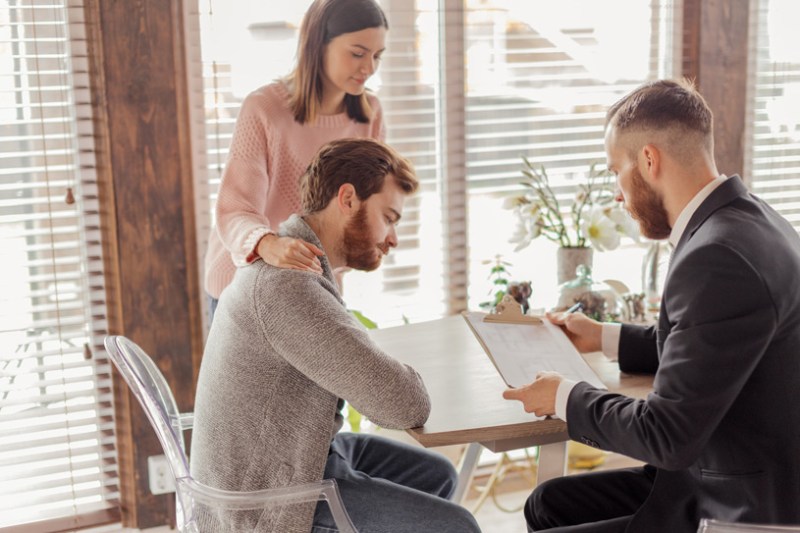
[[540, 77], [772, 155], [467, 87], [57, 448], [420, 85]]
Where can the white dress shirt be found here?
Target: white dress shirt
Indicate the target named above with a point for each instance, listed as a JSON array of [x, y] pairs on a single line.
[[611, 331]]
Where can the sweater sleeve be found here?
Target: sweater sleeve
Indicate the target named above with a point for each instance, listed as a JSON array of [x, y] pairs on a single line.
[[320, 338], [243, 191]]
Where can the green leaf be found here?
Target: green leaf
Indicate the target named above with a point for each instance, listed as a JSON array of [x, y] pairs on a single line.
[[354, 418], [366, 322]]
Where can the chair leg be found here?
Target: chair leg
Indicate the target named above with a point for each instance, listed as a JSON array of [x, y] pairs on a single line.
[[340, 516]]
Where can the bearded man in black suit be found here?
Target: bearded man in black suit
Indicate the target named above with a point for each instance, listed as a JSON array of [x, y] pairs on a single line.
[[720, 432]]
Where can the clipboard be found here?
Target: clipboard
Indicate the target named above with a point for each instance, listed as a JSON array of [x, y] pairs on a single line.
[[521, 349], [508, 311]]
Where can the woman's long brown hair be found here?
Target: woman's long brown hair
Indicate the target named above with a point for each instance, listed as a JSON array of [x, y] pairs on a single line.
[[325, 20]]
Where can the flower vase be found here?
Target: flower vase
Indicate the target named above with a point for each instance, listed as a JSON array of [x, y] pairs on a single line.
[[568, 260]]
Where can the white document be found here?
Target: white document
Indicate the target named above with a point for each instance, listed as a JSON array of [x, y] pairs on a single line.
[[519, 351]]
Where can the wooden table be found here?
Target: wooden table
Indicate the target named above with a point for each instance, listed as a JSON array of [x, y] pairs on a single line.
[[466, 394]]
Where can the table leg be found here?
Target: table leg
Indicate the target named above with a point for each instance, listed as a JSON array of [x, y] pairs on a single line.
[[552, 461], [466, 469]]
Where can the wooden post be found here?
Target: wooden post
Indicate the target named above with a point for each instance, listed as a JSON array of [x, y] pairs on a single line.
[[715, 56], [142, 125]]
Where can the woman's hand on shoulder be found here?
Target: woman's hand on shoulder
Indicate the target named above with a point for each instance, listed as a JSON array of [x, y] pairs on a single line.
[[287, 252]]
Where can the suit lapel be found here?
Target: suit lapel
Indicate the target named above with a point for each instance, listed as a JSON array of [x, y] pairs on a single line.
[[723, 195], [726, 193]]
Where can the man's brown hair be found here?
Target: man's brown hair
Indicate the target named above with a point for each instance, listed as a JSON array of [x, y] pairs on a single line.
[[672, 106], [362, 162]]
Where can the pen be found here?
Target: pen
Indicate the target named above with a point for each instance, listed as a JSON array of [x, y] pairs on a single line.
[[577, 307]]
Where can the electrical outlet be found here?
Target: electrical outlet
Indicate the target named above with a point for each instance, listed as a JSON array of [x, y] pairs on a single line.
[[159, 475]]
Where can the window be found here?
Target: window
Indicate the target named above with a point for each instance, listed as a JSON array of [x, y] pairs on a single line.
[[773, 141], [540, 76], [468, 87], [57, 457]]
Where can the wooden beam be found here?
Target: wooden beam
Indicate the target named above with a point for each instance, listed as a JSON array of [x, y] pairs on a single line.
[[715, 55], [142, 125]]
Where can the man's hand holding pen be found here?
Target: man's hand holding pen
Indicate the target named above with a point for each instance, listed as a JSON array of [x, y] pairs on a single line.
[[586, 334]]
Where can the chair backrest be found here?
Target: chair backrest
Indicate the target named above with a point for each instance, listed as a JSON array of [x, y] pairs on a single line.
[[196, 502], [708, 525], [150, 387]]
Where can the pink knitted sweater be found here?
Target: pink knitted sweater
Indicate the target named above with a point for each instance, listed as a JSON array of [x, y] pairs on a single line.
[[259, 189]]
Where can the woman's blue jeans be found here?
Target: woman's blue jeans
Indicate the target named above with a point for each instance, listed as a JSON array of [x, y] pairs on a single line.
[[212, 308]]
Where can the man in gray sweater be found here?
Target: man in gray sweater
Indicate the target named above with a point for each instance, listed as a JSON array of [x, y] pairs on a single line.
[[283, 354]]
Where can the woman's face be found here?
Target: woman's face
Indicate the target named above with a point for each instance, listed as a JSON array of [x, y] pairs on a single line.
[[350, 59]]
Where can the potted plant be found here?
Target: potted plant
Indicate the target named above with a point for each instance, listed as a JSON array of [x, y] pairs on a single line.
[[593, 220]]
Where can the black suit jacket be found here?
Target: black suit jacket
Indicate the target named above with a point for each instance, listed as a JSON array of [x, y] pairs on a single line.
[[722, 425]]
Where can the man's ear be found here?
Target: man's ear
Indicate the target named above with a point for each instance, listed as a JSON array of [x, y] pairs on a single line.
[[650, 163], [347, 199]]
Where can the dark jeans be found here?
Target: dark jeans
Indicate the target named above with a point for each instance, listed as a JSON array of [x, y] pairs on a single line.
[[597, 502], [391, 487], [212, 308]]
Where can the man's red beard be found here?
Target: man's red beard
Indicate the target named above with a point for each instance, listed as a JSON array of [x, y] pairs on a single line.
[[359, 252], [647, 208]]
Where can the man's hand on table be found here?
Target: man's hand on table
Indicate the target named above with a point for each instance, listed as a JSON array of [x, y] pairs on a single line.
[[538, 397]]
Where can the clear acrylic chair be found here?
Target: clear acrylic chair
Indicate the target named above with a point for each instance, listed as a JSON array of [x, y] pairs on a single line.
[[709, 525], [152, 390]]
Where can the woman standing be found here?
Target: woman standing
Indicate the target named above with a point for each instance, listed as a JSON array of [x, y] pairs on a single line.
[[279, 129]]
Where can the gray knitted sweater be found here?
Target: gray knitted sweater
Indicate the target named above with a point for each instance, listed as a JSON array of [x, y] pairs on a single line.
[[281, 351]]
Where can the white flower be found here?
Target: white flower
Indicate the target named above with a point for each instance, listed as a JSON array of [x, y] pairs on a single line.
[[624, 223], [600, 229], [513, 202], [527, 229], [591, 218], [529, 210]]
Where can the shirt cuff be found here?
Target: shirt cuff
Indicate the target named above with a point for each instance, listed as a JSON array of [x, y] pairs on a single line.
[[610, 340], [562, 395]]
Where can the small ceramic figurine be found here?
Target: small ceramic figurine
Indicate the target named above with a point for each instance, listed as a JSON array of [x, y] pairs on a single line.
[[635, 302], [521, 292]]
